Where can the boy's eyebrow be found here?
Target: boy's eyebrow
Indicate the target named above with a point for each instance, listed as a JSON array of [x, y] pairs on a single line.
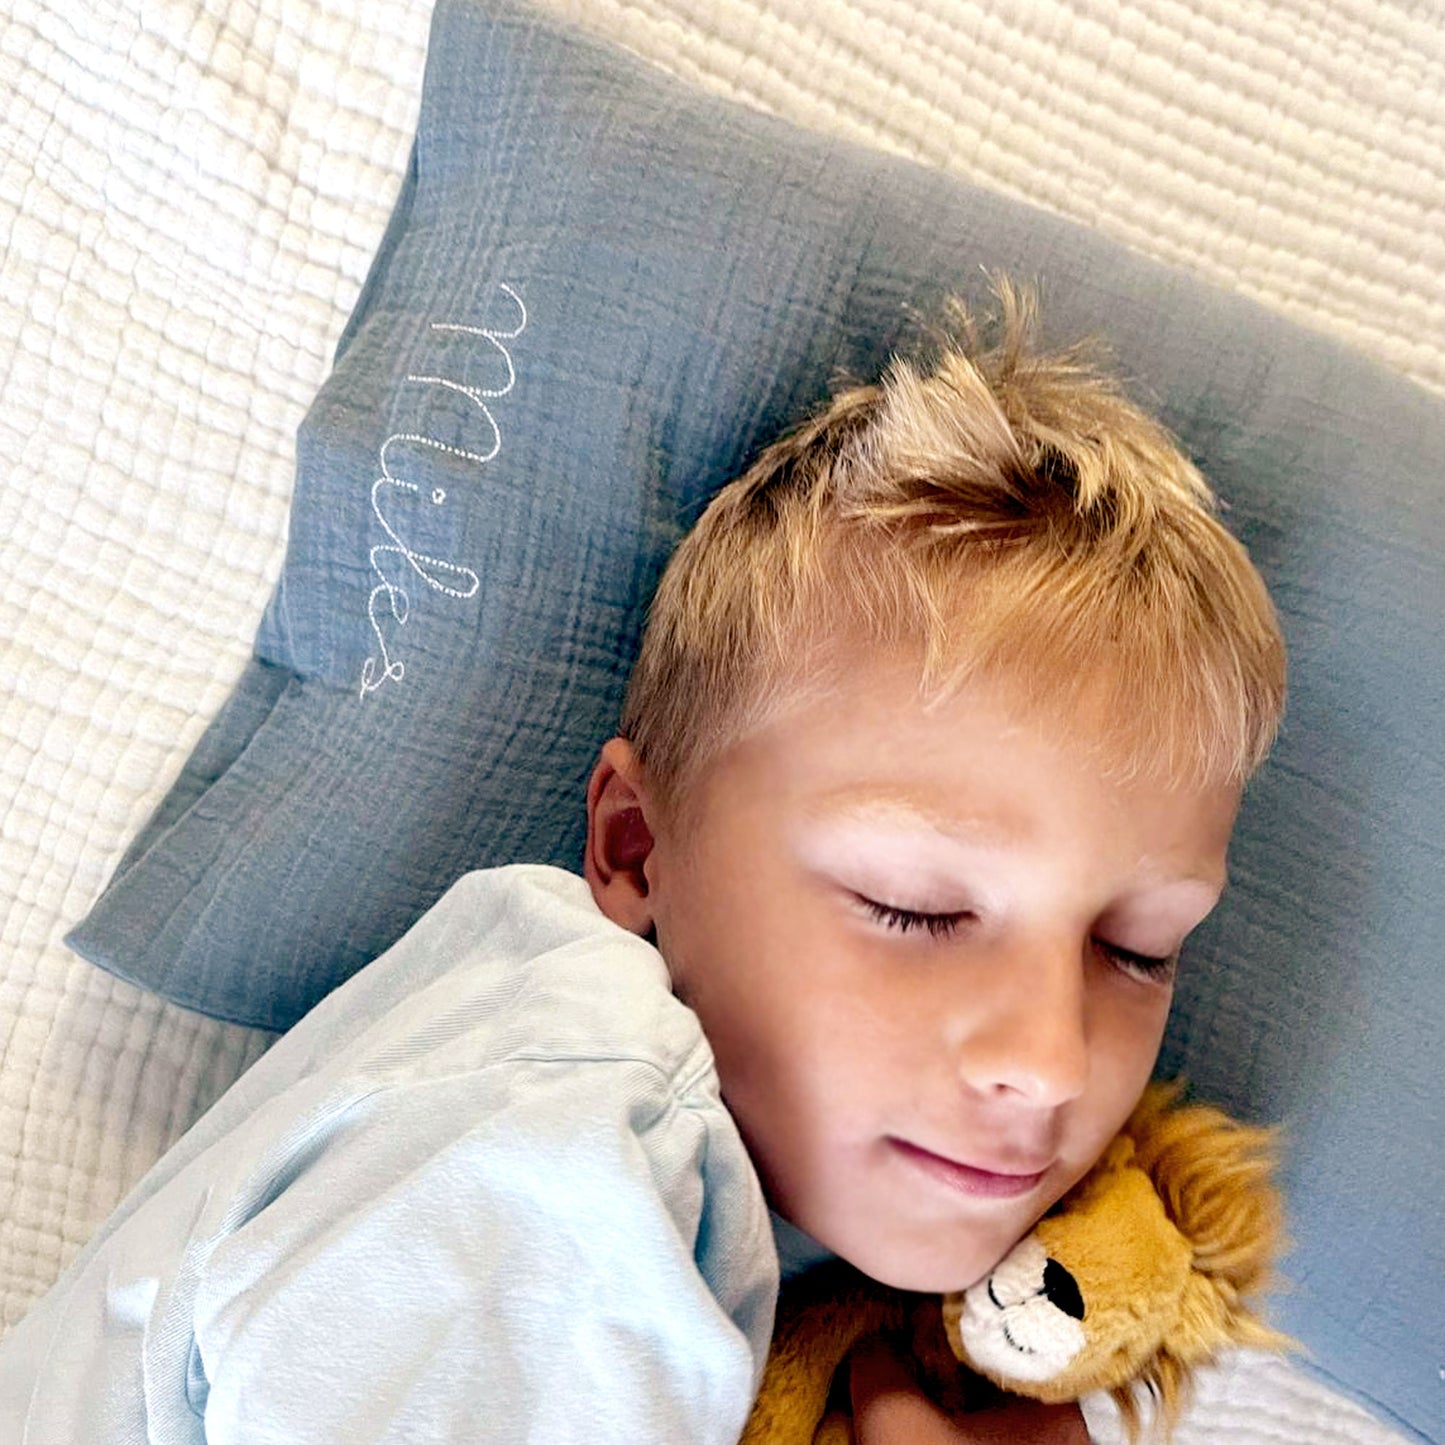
[[906, 813]]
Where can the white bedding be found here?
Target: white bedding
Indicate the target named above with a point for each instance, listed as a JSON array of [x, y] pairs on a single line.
[[190, 192]]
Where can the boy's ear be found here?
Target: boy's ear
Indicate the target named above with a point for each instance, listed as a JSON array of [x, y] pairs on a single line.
[[619, 839]]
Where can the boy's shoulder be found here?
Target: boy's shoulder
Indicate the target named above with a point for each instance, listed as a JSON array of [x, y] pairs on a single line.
[[512, 965], [512, 972]]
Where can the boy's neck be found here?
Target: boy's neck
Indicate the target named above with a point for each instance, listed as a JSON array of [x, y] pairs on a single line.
[[797, 1251]]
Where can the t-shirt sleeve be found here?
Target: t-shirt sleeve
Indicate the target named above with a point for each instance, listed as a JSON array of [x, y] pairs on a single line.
[[552, 1250]]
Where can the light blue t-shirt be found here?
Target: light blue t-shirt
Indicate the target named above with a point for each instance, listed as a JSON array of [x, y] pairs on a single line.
[[486, 1191]]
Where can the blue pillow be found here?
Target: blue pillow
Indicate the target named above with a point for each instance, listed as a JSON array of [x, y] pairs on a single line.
[[601, 292]]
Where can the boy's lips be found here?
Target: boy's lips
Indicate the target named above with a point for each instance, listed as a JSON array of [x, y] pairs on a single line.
[[976, 1179]]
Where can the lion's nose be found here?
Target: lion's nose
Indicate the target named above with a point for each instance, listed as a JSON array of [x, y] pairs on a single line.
[[1062, 1290]]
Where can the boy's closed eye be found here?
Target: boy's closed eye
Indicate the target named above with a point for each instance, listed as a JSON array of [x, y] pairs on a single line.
[[904, 920], [1152, 967], [948, 925]]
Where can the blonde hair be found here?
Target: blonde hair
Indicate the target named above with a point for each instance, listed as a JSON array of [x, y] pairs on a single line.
[[1007, 515]]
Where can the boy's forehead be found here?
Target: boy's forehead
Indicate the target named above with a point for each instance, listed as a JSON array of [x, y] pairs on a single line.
[[911, 814], [864, 738], [853, 690], [826, 697]]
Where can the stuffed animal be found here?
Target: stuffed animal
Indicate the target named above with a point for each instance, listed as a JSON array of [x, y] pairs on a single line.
[[1143, 1272]]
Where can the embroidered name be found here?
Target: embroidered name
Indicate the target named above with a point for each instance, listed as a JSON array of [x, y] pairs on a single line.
[[394, 561]]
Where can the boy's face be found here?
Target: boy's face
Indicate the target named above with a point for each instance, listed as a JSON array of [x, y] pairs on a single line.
[[900, 928]]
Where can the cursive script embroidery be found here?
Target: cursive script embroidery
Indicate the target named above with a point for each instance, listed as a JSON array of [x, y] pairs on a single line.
[[389, 601]]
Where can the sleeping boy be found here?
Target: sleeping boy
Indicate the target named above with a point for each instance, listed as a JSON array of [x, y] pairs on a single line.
[[927, 768]]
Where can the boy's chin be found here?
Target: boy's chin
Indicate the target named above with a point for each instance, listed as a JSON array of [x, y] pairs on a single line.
[[928, 1267], [938, 1252]]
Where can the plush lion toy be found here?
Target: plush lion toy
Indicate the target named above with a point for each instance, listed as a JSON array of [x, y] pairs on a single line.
[[1143, 1272]]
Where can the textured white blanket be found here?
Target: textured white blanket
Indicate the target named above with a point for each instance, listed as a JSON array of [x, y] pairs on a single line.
[[190, 191]]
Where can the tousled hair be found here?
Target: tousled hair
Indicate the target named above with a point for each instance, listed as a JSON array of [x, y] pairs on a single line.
[[1002, 514]]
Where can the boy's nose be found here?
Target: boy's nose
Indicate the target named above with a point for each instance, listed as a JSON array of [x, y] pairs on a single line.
[[1025, 1033]]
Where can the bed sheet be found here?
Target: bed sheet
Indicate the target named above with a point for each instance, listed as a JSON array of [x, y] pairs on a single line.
[[190, 192]]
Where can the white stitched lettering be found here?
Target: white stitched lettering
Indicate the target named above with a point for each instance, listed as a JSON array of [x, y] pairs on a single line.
[[389, 599]]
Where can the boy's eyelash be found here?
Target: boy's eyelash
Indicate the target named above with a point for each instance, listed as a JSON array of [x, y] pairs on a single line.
[[945, 925], [939, 925], [1145, 965]]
